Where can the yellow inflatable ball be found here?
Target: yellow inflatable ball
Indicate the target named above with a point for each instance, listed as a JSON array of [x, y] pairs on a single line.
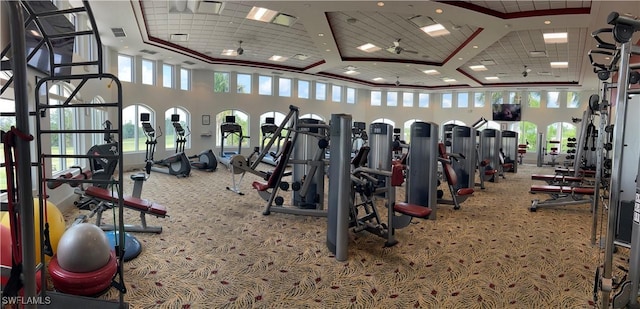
[[57, 226]]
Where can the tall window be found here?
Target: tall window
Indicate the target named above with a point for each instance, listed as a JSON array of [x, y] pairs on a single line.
[[478, 99], [63, 119], [221, 82], [125, 68], [98, 117], [321, 91], [534, 99], [284, 87], [133, 138], [243, 83], [232, 141], [447, 100], [265, 85], [7, 106], [497, 97], [376, 98], [185, 79], [560, 131], [312, 116], [527, 134], [351, 96], [463, 100], [385, 120], [392, 98], [553, 99], [423, 100], [303, 89], [513, 97], [336, 93], [573, 99], [167, 75], [407, 99], [407, 129], [169, 129], [148, 72]]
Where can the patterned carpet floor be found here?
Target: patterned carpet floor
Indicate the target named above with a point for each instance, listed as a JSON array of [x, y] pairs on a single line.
[[217, 250]]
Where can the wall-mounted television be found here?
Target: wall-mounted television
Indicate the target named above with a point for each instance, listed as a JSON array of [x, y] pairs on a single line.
[[506, 112], [62, 46]]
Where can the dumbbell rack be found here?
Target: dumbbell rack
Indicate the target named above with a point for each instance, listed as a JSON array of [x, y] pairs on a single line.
[[571, 152]]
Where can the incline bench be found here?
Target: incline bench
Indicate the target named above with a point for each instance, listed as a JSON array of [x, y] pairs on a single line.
[[561, 196]]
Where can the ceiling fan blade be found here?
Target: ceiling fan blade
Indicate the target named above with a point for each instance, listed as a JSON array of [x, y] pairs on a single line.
[[391, 49], [396, 43], [409, 51]]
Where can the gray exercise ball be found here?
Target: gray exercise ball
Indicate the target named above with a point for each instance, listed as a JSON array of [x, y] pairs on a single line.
[[83, 248]]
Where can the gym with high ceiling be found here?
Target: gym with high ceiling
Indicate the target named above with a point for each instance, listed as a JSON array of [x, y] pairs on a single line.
[[319, 154]]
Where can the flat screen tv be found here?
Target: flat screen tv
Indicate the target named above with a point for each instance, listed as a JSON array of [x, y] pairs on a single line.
[[62, 46], [507, 112]]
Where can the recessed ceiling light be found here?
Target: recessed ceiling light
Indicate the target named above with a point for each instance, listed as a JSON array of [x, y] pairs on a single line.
[[492, 78], [229, 52], [301, 56], [380, 3], [607, 58], [554, 38], [369, 48], [377, 79], [478, 67], [475, 46], [261, 14], [547, 22], [179, 37], [351, 72], [431, 72], [278, 58], [327, 50], [435, 30], [560, 64], [448, 80], [284, 20], [320, 34], [439, 11], [460, 58]]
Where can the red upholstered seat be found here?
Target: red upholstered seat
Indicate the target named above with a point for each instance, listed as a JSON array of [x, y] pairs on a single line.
[[562, 189], [522, 151], [485, 162], [555, 178], [507, 165], [128, 201], [260, 186], [412, 210], [584, 191], [490, 172], [464, 191]]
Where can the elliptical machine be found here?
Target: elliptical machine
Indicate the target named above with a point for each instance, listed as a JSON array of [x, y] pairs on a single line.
[[206, 159], [177, 164]]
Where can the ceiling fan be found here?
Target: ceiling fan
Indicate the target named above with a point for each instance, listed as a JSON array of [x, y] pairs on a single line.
[[397, 49]]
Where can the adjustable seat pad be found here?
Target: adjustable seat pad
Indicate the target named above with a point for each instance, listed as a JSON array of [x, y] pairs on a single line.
[[129, 201], [555, 178], [561, 189], [412, 210]]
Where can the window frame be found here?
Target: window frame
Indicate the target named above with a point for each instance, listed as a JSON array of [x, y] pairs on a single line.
[[171, 75], [320, 95], [153, 72], [239, 87], [185, 80], [122, 76], [307, 87], [265, 79], [225, 79]]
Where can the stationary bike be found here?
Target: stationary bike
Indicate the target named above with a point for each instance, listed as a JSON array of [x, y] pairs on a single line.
[[177, 164], [206, 159]]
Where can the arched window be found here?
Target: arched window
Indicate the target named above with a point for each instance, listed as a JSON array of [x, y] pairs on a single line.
[[560, 131], [456, 122], [133, 138], [385, 120], [312, 116], [98, 117], [242, 119], [407, 129], [527, 133], [169, 131], [63, 119], [489, 125]]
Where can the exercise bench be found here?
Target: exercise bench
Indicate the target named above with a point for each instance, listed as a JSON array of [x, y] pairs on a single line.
[[107, 199], [561, 196], [558, 180]]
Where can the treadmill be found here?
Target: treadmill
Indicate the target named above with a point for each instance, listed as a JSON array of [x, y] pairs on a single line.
[[228, 129]]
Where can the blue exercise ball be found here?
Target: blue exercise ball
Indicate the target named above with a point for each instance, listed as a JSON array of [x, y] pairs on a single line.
[[83, 248]]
